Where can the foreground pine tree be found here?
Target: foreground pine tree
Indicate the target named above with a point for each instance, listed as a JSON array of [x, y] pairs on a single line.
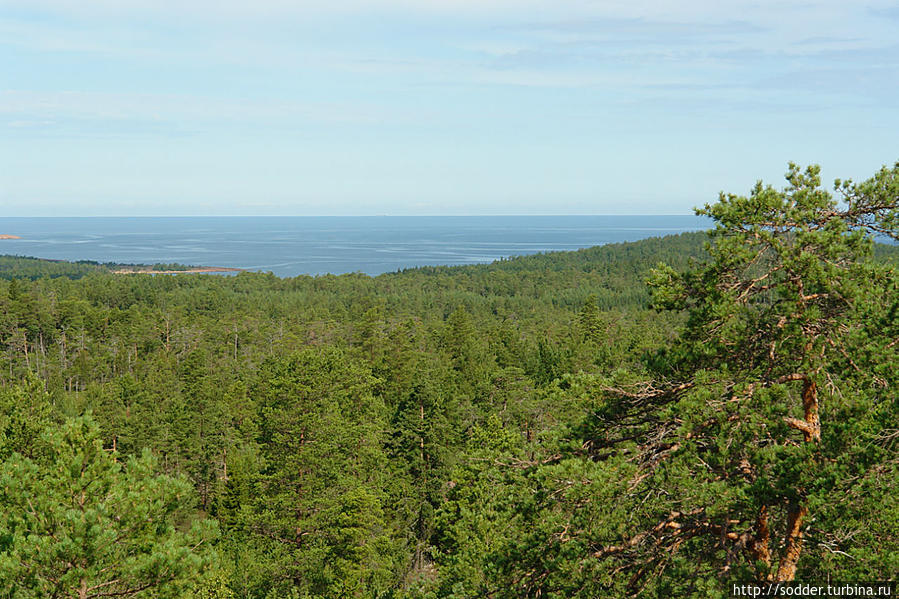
[[76, 522], [791, 349], [761, 445]]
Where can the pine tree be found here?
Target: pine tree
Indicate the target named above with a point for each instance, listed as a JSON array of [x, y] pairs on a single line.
[[77, 522], [753, 447], [319, 512]]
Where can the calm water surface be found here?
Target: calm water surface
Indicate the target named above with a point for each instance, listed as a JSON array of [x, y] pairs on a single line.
[[289, 246]]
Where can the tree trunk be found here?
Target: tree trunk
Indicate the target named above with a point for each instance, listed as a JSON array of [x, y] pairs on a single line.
[[759, 545], [786, 572], [810, 405], [811, 430]]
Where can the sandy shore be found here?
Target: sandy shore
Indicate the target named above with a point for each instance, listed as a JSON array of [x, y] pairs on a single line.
[[199, 269], [10, 237]]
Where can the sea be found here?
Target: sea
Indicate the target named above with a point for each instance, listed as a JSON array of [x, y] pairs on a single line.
[[290, 246]]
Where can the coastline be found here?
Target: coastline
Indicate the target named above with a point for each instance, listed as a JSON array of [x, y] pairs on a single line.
[[198, 270], [293, 246]]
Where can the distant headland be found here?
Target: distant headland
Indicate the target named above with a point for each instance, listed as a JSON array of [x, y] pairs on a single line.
[[9, 237]]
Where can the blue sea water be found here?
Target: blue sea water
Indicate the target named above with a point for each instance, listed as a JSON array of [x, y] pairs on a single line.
[[290, 246]]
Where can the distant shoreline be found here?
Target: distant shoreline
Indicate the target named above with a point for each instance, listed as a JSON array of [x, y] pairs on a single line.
[[3, 236], [290, 247], [150, 271]]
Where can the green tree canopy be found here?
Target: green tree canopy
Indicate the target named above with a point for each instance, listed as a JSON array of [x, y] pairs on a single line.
[[751, 446], [76, 522]]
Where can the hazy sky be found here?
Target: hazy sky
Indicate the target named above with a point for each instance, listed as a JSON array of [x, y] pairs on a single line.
[[156, 107]]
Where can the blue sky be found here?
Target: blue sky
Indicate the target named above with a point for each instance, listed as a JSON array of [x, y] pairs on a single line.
[[279, 107]]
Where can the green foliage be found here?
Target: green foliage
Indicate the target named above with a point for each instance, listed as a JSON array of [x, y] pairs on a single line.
[[77, 522], [318, 516], [12, 267], [25, 411], [750, 446], [526, 428]]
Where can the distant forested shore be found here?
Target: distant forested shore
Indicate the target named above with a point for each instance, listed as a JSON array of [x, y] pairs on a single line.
[[28, 267]]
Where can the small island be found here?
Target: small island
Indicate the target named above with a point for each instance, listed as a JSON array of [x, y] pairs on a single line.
[[9, 236]]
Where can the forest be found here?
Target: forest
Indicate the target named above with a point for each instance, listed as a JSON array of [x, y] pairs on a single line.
[[662, 418]]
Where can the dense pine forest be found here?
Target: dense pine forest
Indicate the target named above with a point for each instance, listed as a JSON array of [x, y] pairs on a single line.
[[661, 418]]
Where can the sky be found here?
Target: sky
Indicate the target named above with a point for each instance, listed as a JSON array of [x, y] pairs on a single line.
[[430, 107]]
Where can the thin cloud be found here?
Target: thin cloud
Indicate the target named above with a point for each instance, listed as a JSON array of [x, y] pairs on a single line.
[[889, 12], [874, 84], [646, 29], [826, 40], [100, 107]]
